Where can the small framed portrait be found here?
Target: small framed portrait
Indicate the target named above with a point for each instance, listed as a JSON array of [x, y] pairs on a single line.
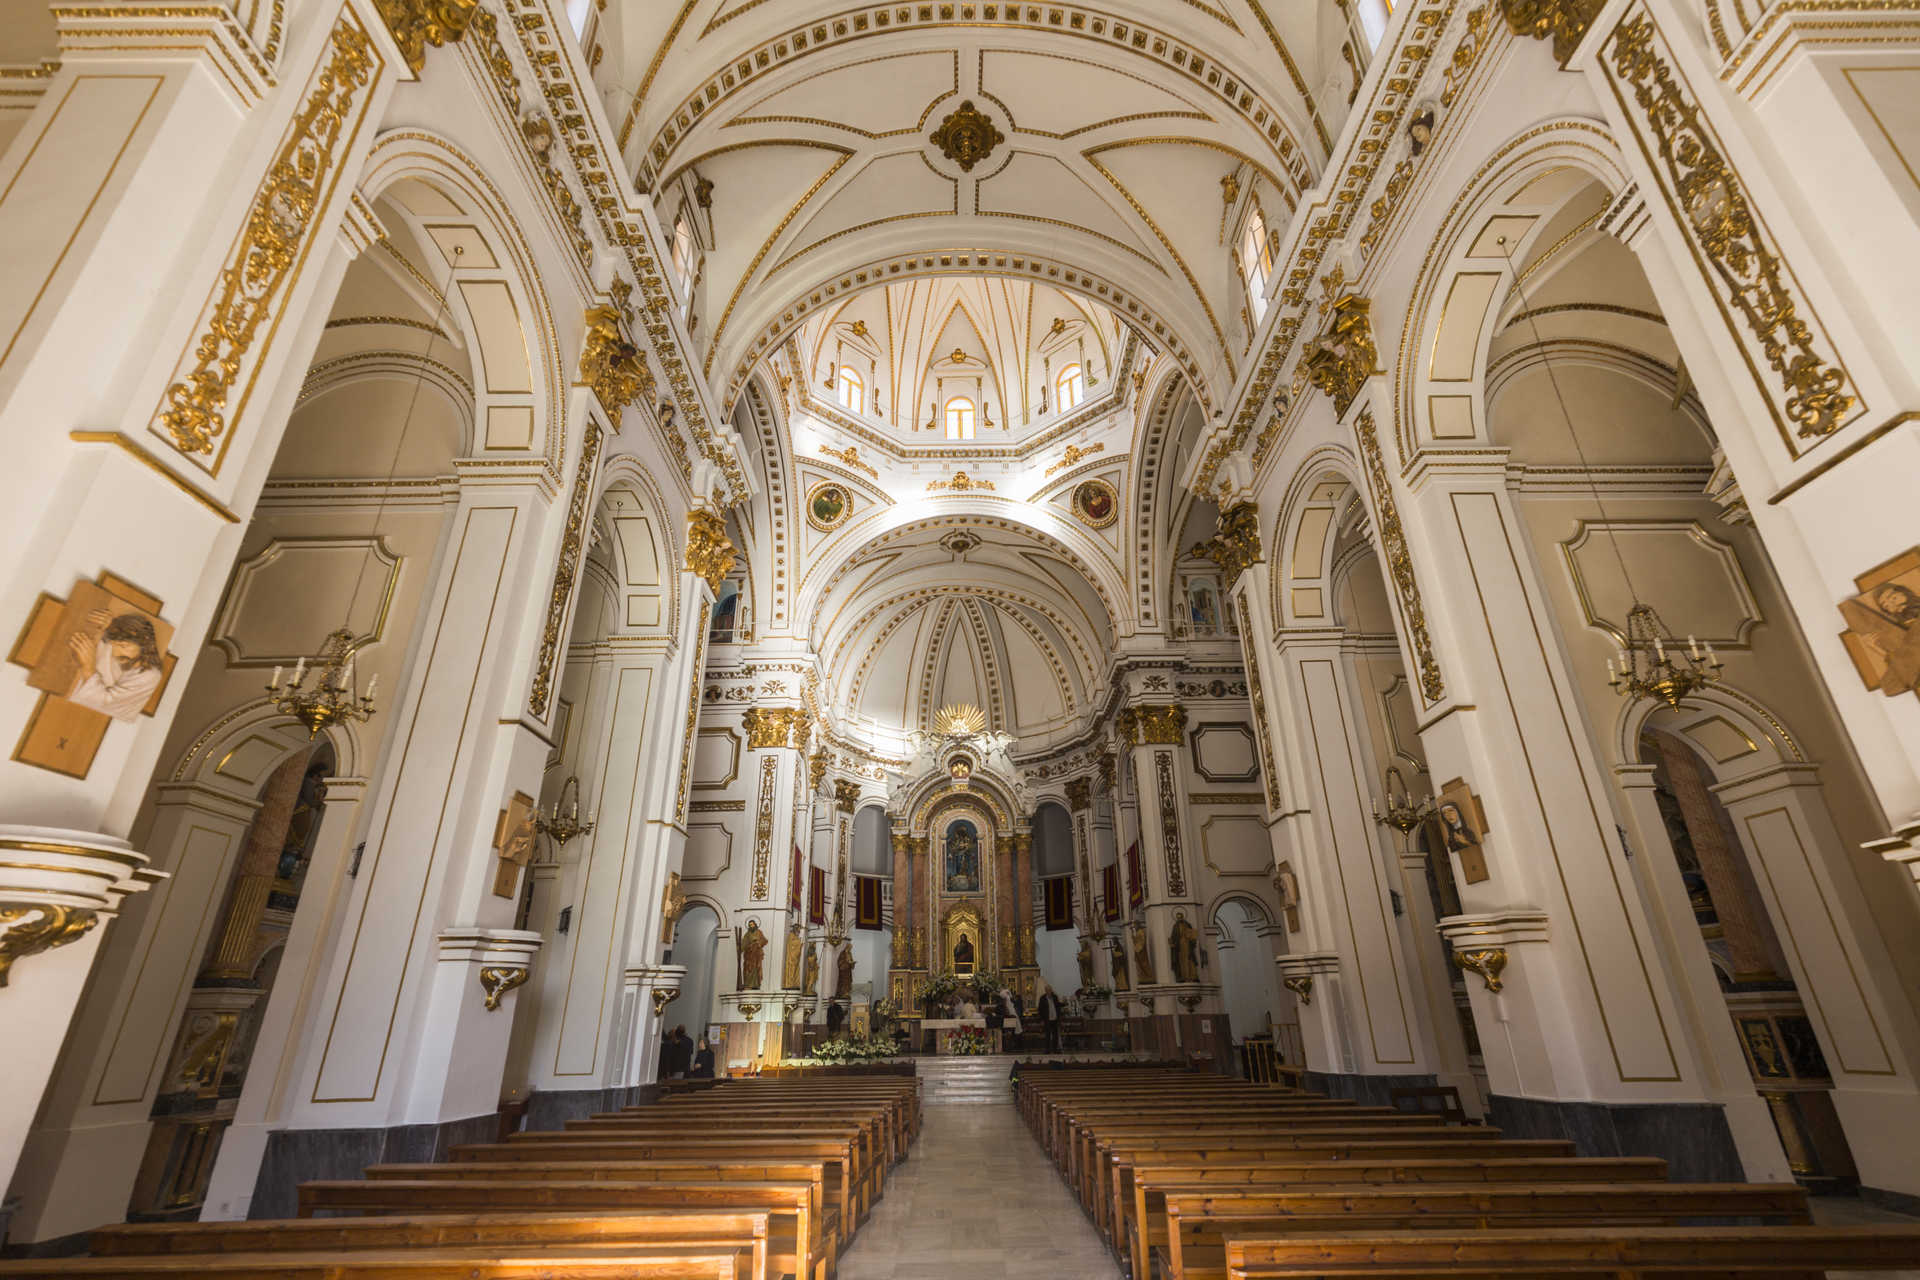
[[827, 506], [1460, 828], [1095, 503], [1883, 625]]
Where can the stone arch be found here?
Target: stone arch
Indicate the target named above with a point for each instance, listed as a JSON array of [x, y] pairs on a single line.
[[498, 298], [1301, 551], [1439, 378], [642, 549]]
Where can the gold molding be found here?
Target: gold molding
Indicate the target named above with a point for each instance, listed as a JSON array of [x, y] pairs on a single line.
[[418, 25], [567, 571], [193, 412], [147, 460], [1393, 546], [1736, 256]]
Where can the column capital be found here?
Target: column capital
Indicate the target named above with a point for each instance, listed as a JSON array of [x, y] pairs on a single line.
[[1079, 793], [846, 794], [1152, 724], [770, 728], [709, 552]]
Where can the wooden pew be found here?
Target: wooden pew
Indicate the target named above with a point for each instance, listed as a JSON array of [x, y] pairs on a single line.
[[518, 1232], [855, 1187], [1113, 1171], [1200, 1223], [630, 1263], [1617, 1253], [795, 1233], [1143, 1225]]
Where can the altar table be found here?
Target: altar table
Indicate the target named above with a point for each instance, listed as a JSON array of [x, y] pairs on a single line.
[[942, 1029]]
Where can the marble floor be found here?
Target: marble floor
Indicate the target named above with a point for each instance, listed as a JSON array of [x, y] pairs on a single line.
[[976, 1198]]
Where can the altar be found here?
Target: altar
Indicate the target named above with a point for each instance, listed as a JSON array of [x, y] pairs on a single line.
[[943, 1029]]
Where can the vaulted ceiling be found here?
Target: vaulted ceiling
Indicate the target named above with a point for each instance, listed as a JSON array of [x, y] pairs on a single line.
[[823, 149]]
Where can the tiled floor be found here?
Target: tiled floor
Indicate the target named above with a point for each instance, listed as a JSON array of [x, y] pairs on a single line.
[[976, 1198]]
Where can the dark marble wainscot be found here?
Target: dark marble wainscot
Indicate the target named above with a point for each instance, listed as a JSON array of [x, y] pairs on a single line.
[[294, 1156], [1692, 1137]]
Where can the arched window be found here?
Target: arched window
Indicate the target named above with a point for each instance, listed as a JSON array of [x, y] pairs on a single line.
[[1256, 261], [682, 248], [959, 418], [853, 392], [1070, 387]]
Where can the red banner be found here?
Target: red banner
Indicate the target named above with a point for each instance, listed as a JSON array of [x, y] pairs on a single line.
[[817, 897], [1136, 893], [1110, 890]]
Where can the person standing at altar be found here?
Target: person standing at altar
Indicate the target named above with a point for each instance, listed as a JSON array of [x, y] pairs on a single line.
[[1050, 1016]]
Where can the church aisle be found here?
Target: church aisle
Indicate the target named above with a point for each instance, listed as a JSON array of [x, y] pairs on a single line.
[[976, 1197]]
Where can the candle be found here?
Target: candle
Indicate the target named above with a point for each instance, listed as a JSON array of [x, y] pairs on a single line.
[[276, 679], [299, 671], [1660, 650], [1693, 647], [370, 684]]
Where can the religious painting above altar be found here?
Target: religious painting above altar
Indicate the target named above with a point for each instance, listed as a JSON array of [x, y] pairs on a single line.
[[962, 858]]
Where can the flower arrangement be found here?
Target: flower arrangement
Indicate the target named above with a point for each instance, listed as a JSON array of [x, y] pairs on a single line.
[[845, 1048], [884, 1013], [987, 985], [968, 1042], [1096, 994], [940, 985]]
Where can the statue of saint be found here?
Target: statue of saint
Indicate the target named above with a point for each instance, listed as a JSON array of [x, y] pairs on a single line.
[[843, 977], [963, 858], [1086, 961], [790, 967], [1143, 956], [1183, 947], [811, 983], [1119, 956], [753, 949]]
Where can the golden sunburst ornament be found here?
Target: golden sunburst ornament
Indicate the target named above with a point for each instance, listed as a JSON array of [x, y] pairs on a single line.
[[960, 720]]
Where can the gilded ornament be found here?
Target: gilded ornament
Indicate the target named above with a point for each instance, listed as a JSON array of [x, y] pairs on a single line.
[[851, 457], [497, 980], [772, 727], [1170, 819], [966, 136], [1263, 730], [1393, 543], [817, 768], [1341, 359], [1301, 984], [709, 551], [611, 365], [1564, 22], [33, 927], [846, 795], [959, 720], [961, 483], [1074, 453], [673, 904], [193, 412], [567, 571], [1153, 724], [1237, 544], [662, 997], [1733, 247], [1079, 793], [693, 715], [1488, 962], [418, 25], [763, 827]]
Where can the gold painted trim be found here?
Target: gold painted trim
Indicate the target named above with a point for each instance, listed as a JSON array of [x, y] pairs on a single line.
[[148, 460]]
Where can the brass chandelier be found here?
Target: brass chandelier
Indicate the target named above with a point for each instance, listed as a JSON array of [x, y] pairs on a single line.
[[332, 699]]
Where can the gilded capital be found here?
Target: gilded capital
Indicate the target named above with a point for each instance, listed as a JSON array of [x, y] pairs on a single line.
[[1109, 764], [1023, 842], [1342, 357], [1127, 725], [1564, 22], [34, 927], [418, 25], [611, 365], [709, 552], [846, 795], [1158, 724], [770, 727], [1079, 792], [1237, 544], [817, 769], [1488, 962]]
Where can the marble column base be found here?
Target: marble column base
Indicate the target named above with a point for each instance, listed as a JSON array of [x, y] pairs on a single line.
[[552, 1108], [1692, 1137], [294, 1156], [1370, 1091]]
